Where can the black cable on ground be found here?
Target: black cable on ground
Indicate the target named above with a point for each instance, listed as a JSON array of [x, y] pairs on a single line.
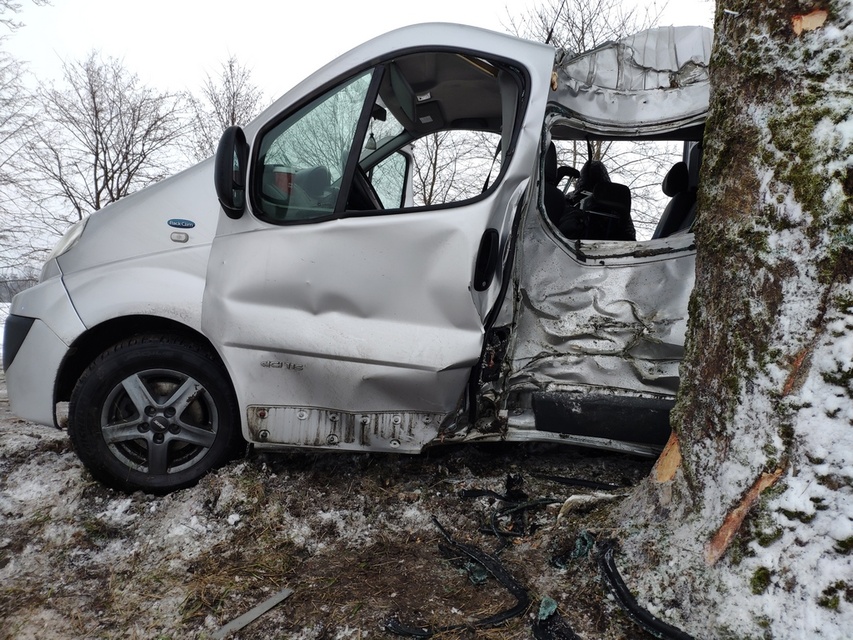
[[498, 571], [483, 493], [579, 482], [503, 534], [626, 600], [514, 506]]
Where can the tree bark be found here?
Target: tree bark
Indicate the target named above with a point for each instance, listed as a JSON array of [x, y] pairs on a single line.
[[746, 527]]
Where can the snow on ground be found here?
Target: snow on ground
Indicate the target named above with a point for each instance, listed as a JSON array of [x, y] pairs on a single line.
[[353, 535]]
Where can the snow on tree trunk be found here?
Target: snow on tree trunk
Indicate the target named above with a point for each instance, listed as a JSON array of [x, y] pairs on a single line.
[[745, 529]]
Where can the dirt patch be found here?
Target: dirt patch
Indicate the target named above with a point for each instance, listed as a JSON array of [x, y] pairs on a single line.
[[354, 535]]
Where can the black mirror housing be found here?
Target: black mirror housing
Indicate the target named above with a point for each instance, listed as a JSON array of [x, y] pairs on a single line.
[[229, 171]]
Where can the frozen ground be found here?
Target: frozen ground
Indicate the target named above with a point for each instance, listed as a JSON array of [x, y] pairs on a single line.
[[352, 535]]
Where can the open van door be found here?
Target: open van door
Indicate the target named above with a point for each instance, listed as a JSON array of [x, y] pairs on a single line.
[[345, 314]]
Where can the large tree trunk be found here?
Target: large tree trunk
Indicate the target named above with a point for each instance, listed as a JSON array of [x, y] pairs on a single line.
[[746, 526]]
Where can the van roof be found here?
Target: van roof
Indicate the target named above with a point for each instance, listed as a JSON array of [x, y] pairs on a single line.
[[651, 84]]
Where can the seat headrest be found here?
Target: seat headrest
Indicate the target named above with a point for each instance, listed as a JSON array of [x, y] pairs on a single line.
[[314, 180], [551, 165], [612, 196], [676, 180], [592, 173]]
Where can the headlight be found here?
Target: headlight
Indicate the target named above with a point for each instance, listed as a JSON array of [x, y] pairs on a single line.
[[65, 243]]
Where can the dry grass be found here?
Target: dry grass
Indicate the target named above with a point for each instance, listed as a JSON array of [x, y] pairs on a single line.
[[351, 534]]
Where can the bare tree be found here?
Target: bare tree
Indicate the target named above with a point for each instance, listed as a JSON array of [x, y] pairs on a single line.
[[10, 6], [231, 99], [580, 25], [15, 279], [103, 135], [746, 527], [453, 165], [16, 122]]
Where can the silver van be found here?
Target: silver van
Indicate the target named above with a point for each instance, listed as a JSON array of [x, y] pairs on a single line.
[[298, 291]]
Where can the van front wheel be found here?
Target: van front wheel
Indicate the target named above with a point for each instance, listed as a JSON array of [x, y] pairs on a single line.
[[154, 413]]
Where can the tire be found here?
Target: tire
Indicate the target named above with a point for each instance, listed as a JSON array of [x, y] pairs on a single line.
[[155, 413]]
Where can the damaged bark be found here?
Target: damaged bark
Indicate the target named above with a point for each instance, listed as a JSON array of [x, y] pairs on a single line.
[[739, 507], [731, 525], [809, 22]]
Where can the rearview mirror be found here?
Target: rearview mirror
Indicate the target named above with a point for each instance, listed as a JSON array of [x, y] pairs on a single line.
[[229, 171]]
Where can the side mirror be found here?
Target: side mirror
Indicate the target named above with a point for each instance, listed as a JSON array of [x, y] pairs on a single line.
[[229, 171]]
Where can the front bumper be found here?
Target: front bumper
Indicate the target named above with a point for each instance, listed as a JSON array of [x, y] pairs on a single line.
[[41, 326], [14, 334], [31, 376]]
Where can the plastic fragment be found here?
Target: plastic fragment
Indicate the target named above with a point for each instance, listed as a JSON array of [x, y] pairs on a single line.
[[547, 608], [253, 614], [583, 545], [553, 626], [477, 573]]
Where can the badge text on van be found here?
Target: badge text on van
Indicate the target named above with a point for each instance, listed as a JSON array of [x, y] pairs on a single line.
[[180, 223]]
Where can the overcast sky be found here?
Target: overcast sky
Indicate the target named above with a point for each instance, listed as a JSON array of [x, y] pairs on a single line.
[[174, 44]]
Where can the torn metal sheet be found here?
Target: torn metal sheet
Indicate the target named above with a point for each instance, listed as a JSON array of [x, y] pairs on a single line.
[[613, 323], [656, 77]]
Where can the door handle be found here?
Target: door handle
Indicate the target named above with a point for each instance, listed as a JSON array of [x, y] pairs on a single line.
[[488, 257]]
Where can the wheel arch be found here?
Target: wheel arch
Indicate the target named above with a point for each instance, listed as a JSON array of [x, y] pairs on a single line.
[[99, 338]]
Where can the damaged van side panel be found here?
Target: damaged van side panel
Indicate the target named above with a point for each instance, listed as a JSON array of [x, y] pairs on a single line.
[[598, 324], [598, 334]]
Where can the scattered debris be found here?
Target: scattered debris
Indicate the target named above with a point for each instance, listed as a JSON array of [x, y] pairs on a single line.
[[547, 608], [253, 614], [580, 482], [517, 504], [585, 500], [584, 544], [78, 559], [550, 625], [494, 567]]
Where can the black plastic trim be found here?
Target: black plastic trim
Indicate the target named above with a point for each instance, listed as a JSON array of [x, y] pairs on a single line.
[[14, 334], [641, 420]]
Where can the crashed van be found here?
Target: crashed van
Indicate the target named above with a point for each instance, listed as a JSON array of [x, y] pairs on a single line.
[[298, 290]]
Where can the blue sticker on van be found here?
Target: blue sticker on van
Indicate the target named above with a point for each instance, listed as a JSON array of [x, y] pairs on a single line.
[[180, 223]]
